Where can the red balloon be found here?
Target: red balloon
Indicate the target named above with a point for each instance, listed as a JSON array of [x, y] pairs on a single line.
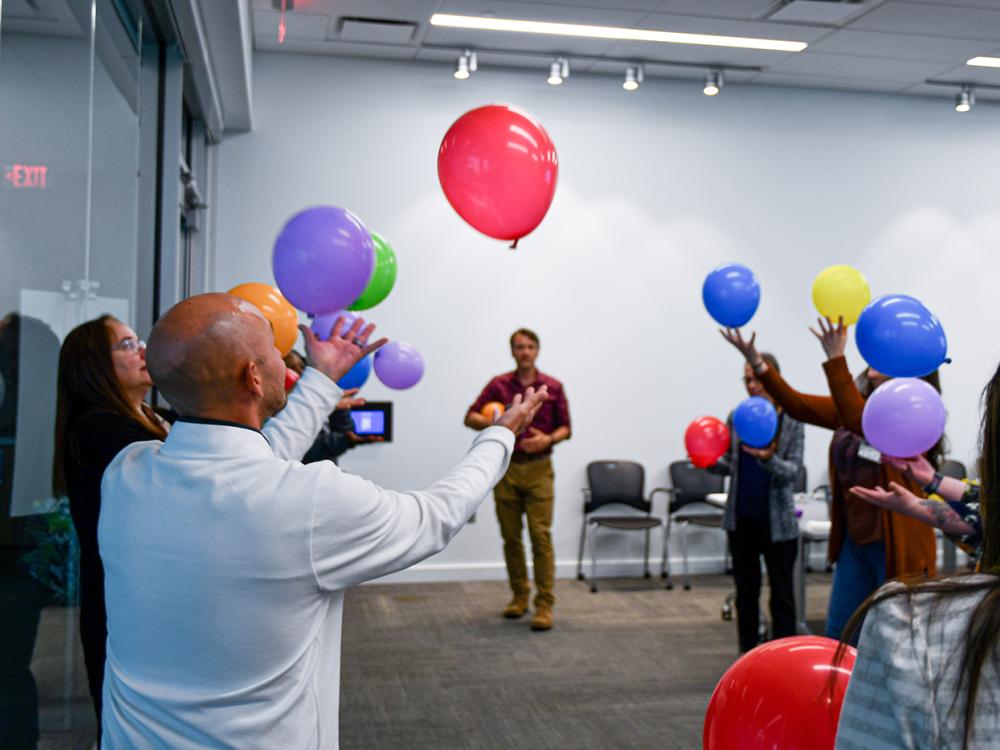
[[291, 378], [778, 697], [706, 440], [498, 169]]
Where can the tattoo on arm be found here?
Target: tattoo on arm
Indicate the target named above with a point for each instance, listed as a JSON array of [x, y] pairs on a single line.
[[940, 512]]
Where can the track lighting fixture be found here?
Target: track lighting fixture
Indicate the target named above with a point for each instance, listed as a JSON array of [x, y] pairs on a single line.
[[713, 82], [465, 65], [558, 71], [965, 99], [633, 77]]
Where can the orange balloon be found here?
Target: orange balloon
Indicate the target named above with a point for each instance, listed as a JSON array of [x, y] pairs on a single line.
[[493, 407], [279, 312]]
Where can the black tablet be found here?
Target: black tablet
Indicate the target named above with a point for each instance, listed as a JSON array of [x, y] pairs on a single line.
[[375, 419]]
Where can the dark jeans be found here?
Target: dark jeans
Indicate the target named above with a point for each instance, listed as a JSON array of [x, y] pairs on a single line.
[[21, 602], [750, 541]]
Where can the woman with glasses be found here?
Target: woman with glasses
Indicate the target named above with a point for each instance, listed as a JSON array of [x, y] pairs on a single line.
[[102, 384]]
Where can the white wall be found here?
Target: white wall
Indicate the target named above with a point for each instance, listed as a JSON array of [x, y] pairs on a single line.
[[655, 189]]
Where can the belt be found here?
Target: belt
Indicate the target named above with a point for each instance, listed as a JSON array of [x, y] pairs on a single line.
[[527, 458]]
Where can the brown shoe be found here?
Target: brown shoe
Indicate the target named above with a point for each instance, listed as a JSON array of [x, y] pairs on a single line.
[[517, 607], [542, 619]]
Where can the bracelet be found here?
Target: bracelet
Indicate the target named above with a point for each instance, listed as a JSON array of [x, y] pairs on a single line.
[[931, 487]]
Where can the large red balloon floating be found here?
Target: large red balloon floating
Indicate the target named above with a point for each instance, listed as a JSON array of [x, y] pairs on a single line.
[[498, 169], [784, 695]]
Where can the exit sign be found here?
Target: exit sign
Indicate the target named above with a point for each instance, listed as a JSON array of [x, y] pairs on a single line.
[[26, 175]]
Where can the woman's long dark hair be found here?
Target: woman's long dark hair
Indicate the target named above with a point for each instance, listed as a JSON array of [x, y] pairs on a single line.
[[983, 632], [87, 383]]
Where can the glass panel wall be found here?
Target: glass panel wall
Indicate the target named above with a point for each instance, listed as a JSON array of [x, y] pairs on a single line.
[[69, 151]]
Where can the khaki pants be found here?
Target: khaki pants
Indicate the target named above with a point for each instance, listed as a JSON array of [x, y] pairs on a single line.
[[527, 490]]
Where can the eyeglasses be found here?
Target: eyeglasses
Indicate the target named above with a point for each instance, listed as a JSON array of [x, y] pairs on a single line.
[[130, 345]]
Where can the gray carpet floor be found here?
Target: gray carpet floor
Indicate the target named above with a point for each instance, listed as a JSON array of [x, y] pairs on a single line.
[[435, 666]]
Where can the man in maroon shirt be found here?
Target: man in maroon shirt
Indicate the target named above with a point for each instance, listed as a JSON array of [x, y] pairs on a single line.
[[527, 487]]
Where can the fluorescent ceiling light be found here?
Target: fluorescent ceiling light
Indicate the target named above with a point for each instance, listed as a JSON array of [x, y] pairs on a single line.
[[612, 32], [985, 62]]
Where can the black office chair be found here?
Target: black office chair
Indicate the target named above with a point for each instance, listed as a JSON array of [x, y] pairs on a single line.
[[954, 469], [688, 506], [615, 482]]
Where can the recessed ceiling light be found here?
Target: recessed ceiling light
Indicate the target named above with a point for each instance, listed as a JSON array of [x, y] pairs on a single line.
[[612, 32], [985, 62]]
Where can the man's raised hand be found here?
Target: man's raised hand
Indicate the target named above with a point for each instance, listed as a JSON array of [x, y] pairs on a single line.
[[338, 354], [520, 413]]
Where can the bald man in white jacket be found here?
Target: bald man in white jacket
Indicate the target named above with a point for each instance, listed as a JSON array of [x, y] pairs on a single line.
[[226, 564]]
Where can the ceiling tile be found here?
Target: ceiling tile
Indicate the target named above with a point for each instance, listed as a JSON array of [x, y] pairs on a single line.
[[610, 15], [932, 20], [986, 96], [803, 81], [900, 46], [739, 9], [345, 49], [759, 29], [863, 68]]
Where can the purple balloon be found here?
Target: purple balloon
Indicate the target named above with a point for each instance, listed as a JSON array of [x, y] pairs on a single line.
[[904, 417], [323, 259], [399, 365], [322, 325]]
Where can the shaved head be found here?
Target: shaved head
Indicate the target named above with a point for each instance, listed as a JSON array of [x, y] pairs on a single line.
[[214, 353]]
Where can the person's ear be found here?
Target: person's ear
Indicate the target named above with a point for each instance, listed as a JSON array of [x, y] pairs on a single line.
[[253, 380]]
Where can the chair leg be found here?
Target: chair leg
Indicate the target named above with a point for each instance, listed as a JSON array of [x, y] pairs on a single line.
[[593, 562], [583, 543], [684, 554], [645, 564], [665, 564]]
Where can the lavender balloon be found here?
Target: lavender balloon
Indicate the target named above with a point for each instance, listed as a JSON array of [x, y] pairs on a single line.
[[398, 365], [323, 259], [322, 325], [904, 417]]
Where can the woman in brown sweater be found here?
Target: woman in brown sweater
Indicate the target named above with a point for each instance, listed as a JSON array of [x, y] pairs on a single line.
[[868, 543]]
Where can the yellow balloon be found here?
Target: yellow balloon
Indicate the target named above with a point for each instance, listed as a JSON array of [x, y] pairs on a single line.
[[841, 291], [279, 312]]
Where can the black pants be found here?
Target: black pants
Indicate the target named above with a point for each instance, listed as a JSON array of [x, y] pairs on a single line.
[[748, 543]]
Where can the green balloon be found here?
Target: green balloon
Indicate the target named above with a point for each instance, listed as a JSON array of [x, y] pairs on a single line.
[[383, 277]]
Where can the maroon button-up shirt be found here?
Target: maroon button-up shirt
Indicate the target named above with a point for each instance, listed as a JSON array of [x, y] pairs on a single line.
[[553, 414]]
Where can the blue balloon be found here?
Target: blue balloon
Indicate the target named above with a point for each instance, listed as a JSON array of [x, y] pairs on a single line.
[[731, 295], [756, 421], [900, 337], [357, 376]]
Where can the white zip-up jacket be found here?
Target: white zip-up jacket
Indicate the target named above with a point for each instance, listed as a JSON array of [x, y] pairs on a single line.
[[225, 567]]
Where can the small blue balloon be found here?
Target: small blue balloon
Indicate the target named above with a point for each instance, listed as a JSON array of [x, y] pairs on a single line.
[[900, 337], [731, 295], [756, 421], [357, 376]]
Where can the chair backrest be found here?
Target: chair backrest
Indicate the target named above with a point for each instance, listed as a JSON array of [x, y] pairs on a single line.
[[692, 484], [954, 469], [801, 480], [616, 482]]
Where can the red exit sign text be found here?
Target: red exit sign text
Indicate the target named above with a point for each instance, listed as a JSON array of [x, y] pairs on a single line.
[[26, 175]]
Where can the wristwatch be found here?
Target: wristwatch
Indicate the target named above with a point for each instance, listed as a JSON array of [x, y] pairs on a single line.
[[931, 487]]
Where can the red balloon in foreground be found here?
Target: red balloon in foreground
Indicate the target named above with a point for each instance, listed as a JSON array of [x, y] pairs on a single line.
[[498, 169], [778, 697], [706, 440]]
